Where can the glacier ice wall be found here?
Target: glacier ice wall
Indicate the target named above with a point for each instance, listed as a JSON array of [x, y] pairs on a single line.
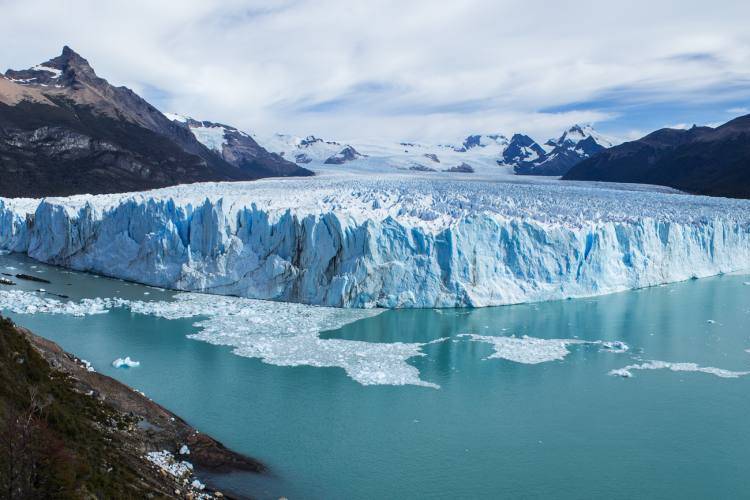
[[387, 243]]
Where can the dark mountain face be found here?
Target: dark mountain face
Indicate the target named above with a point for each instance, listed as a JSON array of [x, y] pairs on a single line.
[[343, 156], [64, 130], [522, 148], [570, 149], [700, 160]]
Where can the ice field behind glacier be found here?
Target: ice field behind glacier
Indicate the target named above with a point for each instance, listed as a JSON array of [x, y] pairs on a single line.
[[391, 240]]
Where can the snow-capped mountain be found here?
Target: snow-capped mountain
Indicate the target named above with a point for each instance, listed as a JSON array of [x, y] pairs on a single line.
[[560, 155], [488, 154], [238, 148]]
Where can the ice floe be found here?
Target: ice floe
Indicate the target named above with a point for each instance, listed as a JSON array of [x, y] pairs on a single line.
[[286, 334], [627, 371], [278, 333], [532, 350]]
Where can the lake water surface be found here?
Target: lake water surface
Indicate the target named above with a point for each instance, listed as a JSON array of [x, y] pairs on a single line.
[[494, 428]]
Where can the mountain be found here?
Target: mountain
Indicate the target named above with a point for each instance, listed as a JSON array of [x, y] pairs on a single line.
[[483, 141], [64, 130], [522, 150], [701, 160], [238, 148], [347, 154], [574, 145]]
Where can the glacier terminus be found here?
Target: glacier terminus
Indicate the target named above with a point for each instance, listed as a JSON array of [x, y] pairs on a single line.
[[394, 241]]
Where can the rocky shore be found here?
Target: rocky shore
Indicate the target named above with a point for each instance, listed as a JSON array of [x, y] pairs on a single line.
[[109, 440]]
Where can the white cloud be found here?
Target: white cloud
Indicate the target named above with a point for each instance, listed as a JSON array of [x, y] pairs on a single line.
[[418, 69]]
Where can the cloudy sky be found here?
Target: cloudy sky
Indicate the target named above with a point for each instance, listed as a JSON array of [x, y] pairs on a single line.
[[407, 70]]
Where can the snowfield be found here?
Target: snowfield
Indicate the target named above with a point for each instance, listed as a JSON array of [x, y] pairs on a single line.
[[416, 240]]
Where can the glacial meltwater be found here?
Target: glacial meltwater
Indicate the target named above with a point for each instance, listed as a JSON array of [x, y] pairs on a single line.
[[641, 393]]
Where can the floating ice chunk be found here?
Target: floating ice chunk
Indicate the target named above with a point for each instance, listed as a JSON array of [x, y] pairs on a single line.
[[711, 321], [621, 372], [528, 350], [125, 362], [531, 350], [615, 346], [677, 367]]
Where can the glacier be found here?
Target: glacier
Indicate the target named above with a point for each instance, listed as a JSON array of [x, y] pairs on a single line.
[[391, 241]]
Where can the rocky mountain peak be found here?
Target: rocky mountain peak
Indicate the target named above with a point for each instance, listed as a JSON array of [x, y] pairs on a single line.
[[64, 70]]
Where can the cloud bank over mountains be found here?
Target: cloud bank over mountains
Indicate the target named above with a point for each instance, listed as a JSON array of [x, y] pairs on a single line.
[[406, 70]]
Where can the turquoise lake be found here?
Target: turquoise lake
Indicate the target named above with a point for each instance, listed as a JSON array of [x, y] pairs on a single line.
[[494, 428]]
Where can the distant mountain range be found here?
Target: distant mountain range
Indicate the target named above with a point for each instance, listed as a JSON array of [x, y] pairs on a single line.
[[64, 130], [701, 160], [520, 153]]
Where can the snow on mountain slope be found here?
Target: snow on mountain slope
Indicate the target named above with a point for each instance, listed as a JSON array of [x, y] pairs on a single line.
[[238, 148], [409, 240], [490, 154]]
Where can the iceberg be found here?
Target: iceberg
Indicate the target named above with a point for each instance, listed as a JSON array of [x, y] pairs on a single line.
[[125, 362], [389, 242]]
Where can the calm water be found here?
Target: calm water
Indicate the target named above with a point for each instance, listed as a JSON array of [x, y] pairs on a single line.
[[495, 428]]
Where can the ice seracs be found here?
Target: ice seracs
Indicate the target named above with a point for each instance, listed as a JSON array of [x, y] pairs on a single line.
[[387, 241]]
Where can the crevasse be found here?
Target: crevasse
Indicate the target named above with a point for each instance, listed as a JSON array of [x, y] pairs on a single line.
[[386, 244]]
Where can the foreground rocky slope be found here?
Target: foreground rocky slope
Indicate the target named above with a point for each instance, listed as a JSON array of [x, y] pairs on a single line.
[[397, 242], [64, 130], [703, 160], [69, 432]]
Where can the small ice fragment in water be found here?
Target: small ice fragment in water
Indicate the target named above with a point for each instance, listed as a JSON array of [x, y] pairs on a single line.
[[711, 321], [622, 372], [676, 367], [125, 362]]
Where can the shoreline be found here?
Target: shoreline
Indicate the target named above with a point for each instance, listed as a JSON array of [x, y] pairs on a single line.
[[149, 429]]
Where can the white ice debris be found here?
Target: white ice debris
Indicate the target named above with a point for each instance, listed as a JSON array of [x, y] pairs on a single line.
[[125, 362], [197, 485], [167, 462], [23, 302], [87, 366], [390, 241], [184, 450], [286, 334], [626, 372], [278, 333], [532, 350]]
